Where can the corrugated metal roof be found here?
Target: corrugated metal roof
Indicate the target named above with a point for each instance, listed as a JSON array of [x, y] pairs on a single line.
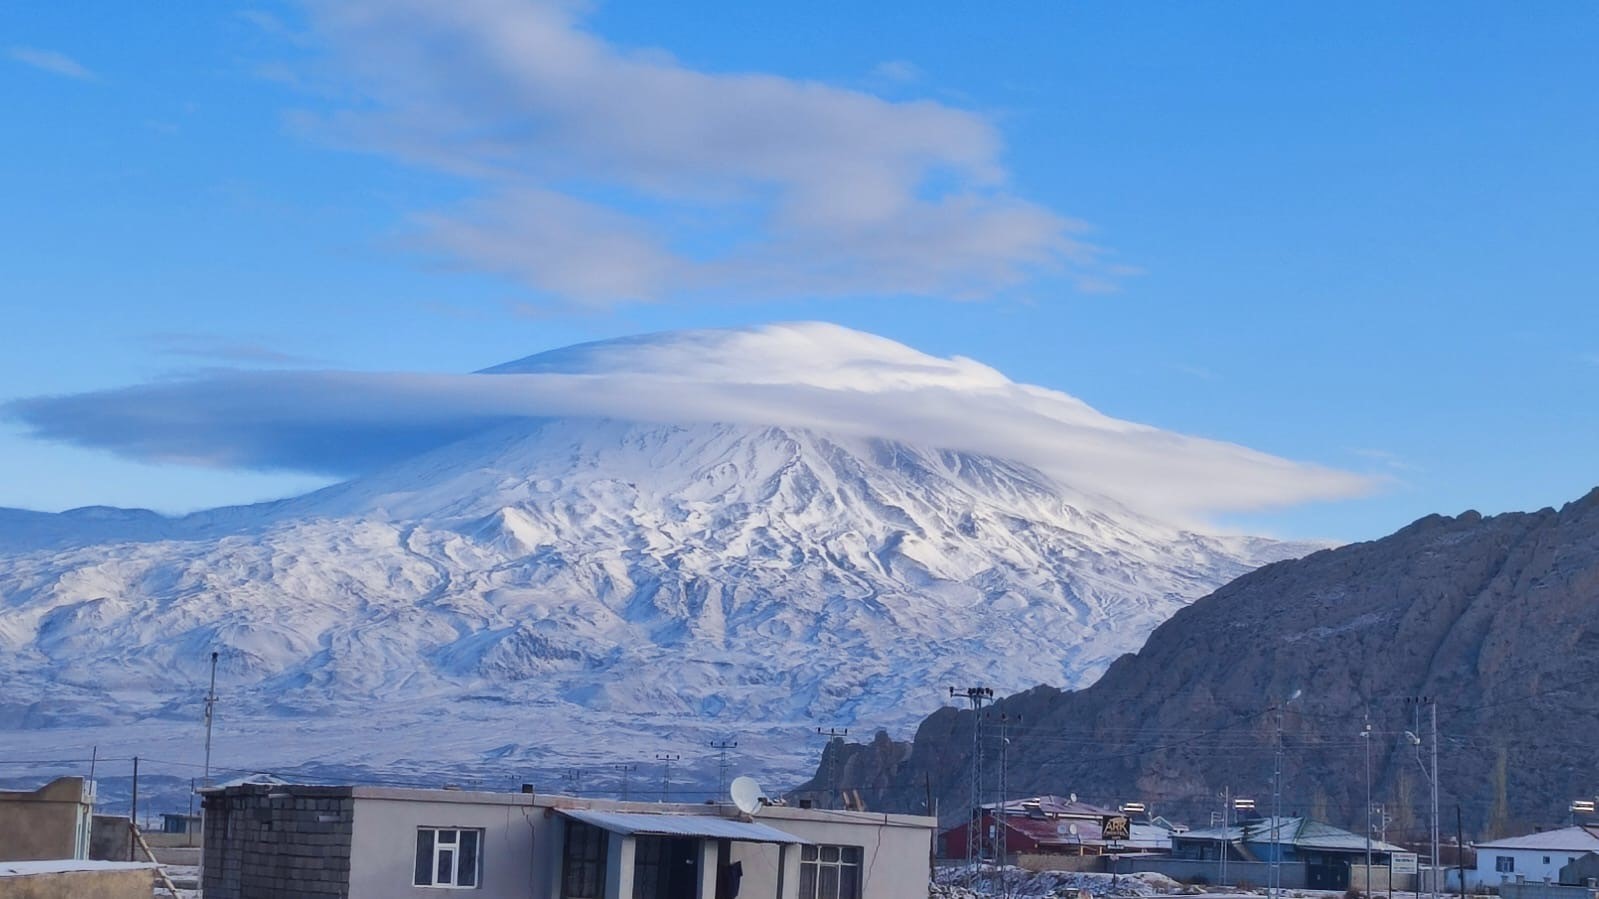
[[1566, 839], [1053, 807], [1296, 832], [708, 826]]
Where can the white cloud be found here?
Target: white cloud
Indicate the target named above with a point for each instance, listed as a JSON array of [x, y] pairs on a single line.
[[50, 61], [898, 71], [606, 174], [809, 375]]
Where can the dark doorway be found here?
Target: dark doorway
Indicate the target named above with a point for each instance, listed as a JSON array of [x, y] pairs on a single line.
[[666, 868]]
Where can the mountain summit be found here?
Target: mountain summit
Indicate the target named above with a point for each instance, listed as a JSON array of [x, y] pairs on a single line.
[[514, 594]]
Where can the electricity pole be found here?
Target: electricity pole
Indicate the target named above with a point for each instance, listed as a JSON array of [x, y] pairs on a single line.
[[1432, 780], [210, 713], [1436, 861], [833, 733], [1274, 873], [626, 770], [666, 758], [1226, 839], [1365, 734], [1004, 798], [721, 747], [976, 696]]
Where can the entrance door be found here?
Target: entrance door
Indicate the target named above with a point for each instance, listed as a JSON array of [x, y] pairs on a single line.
[[666, 867]]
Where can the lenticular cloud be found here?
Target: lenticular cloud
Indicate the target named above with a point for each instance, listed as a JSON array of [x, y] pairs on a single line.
[[810, 375]]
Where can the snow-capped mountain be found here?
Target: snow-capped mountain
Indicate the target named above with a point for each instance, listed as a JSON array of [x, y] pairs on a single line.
[[550, 591]]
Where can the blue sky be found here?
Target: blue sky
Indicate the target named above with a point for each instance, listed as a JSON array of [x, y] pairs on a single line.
[[1358, 235]]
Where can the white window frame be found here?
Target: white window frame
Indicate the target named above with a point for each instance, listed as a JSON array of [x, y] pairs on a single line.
[[1504, 864], [452, 846], [814, 858]]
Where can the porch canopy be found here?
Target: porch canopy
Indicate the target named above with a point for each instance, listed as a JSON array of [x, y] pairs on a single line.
[[704, 826]]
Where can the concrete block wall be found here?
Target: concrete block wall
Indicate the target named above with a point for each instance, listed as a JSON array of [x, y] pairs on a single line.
[[278, 842]]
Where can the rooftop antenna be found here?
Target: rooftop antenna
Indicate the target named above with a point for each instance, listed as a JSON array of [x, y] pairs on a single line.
[[746, 795], [210, 713]]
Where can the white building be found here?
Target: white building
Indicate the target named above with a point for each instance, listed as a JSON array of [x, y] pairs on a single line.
[[1533, 856], [283, 841]]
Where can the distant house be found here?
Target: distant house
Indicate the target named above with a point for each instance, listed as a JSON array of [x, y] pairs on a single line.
[[180, 824], [1534, 856], [52, 822], [1052, 825], [1326, 852], [282, 841]]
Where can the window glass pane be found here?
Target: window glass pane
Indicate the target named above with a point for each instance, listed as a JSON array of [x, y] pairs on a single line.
[[807, 888], [466, 870], [852, 855], [583, 862], [827, 882], [849, 882], [424, 857], [829, 853], [808, 853], [446, 870], [446, 836]]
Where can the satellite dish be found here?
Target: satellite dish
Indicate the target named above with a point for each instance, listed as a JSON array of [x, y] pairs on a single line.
[[746, 795], [1072, 829], [1061, 829]]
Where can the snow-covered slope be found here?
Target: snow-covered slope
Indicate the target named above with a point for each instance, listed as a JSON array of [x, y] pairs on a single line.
[[582, 590]]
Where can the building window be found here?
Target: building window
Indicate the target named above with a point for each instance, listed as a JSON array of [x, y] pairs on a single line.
[[830, 872], [448, 857], [1546, 859], [583, 861], [1504, 864]]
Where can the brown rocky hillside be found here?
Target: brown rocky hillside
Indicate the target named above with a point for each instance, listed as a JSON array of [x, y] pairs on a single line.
[[1496, 618]]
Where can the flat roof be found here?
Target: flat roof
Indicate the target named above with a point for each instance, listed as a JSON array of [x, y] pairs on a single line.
[[717, 828]]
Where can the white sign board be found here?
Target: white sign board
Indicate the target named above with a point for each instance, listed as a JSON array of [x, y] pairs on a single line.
[[1403, 862]]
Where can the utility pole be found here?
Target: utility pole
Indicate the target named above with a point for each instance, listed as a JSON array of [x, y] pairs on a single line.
[[1221, 857], [1004, 797], [626, 770], [210, 713], [1432, 780], [831, 753], [133, 811], [666, 758], [1436, 861], [1365, 734], [1274, 872], [976, 696], [721, 747]]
